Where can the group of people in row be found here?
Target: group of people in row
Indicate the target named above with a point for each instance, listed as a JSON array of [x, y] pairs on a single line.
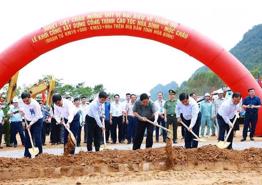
[[130, 120]]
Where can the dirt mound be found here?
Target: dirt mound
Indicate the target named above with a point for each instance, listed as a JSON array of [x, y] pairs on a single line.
[[149, 159]]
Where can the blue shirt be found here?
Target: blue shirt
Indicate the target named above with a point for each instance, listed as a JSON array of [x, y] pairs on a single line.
[[107, 111], [16, 117], [251, 101], [45, 111], [206, 109]]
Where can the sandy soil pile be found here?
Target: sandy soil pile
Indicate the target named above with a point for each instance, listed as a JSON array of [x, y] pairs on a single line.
[[204, 158]]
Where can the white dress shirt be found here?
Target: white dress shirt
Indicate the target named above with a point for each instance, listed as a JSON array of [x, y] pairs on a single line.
[[160, 106], [84, 109], [1, 116], [116, 109], [67, 111], [32, 111], [217, 103], [129, 108], [96, 111], [228, 110], [189, 112]]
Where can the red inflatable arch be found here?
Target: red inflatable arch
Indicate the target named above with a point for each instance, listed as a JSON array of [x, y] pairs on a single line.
[[226, 66]]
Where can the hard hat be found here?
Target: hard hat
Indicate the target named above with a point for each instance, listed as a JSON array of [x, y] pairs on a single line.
[[220, 91], [207, 94], [15, 100]]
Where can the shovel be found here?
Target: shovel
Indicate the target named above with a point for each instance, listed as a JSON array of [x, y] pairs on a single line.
[[164, 128], [225, 144], [70, 133], [196, 137], [34, 150], [104, 134], [69, 147]]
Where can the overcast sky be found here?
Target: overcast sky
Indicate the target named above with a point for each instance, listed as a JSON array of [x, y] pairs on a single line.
[[124, 64]]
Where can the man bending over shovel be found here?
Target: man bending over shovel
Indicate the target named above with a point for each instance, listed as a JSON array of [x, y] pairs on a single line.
[[187, 112], [225, 118], [95, 125], [31, 111], [66, 113]]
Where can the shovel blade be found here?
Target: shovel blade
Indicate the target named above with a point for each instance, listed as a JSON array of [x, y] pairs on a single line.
[[200, 140], [222, 144], [73, 138], [33, 151]]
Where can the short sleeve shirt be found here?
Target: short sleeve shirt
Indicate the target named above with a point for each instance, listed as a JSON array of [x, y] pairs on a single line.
[[145, 111], [170, 106], [251, 101]]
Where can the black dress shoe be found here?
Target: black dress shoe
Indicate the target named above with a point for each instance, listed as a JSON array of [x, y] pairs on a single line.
[[243, 139], [252, 139]]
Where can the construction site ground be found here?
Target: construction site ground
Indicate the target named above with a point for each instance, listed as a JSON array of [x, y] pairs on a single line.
[[120, 165]]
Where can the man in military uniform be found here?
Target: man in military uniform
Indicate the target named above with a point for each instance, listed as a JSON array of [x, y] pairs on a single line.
[[170, 115]]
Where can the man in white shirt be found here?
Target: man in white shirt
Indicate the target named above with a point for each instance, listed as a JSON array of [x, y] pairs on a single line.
[[159, 103], [125, 121], [116, 119], [226, 115], [187, 110], [84, 108], [217, 103], [95, 125], [81, 119], [1, 124], [131, 119], [66, 112], [31, 110]]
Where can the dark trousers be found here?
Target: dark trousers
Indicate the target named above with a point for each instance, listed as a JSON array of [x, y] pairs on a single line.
[[17, 127], [6, 132], [250, 121], [183, 131], [79, 135], [55, 132], [189, 138], [117, 122], [85, 130], [74, 127], [48, 128], [108, 129], [1, 133], [93, 134], [223, 130], [131, 128], [161, 121], [43, 132], [36, 132], [171, 119], [124, 131], [62, 134], [140, 131]]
